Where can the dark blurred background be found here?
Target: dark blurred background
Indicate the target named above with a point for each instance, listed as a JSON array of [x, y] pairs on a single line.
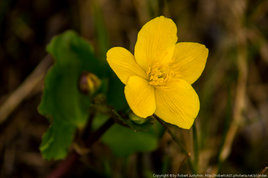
[[233, 90]]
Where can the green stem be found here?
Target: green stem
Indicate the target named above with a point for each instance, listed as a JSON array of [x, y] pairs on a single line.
[[104, 109], [188, 154], [196, 150]]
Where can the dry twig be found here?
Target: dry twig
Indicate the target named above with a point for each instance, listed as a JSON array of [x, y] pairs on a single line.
[[25, 89]]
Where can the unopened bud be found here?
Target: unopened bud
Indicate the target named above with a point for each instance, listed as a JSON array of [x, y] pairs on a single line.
[[89, 83]]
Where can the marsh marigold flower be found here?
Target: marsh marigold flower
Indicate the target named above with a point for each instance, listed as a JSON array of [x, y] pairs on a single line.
[[159, 75]]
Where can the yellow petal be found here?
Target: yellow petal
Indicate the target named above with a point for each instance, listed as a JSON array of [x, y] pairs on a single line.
[[177, 104], [189, 60], [140, 96], [123, 64], [156, 42]]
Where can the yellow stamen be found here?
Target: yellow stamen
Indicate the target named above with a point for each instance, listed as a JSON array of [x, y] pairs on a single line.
[[158, 75]]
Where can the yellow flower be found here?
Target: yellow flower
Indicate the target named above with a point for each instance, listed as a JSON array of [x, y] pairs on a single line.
[[158, 77]]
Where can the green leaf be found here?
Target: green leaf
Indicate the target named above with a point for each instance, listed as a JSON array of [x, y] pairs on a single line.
[[62, 102], [124, 141], [58, 135]]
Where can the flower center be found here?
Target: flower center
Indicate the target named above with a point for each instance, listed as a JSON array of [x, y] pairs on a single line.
[[158, 75]]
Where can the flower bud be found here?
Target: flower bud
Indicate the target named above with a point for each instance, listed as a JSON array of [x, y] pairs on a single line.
[[89, 83]]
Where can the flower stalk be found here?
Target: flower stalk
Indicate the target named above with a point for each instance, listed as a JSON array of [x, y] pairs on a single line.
[[176, 140], [196, 149]]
